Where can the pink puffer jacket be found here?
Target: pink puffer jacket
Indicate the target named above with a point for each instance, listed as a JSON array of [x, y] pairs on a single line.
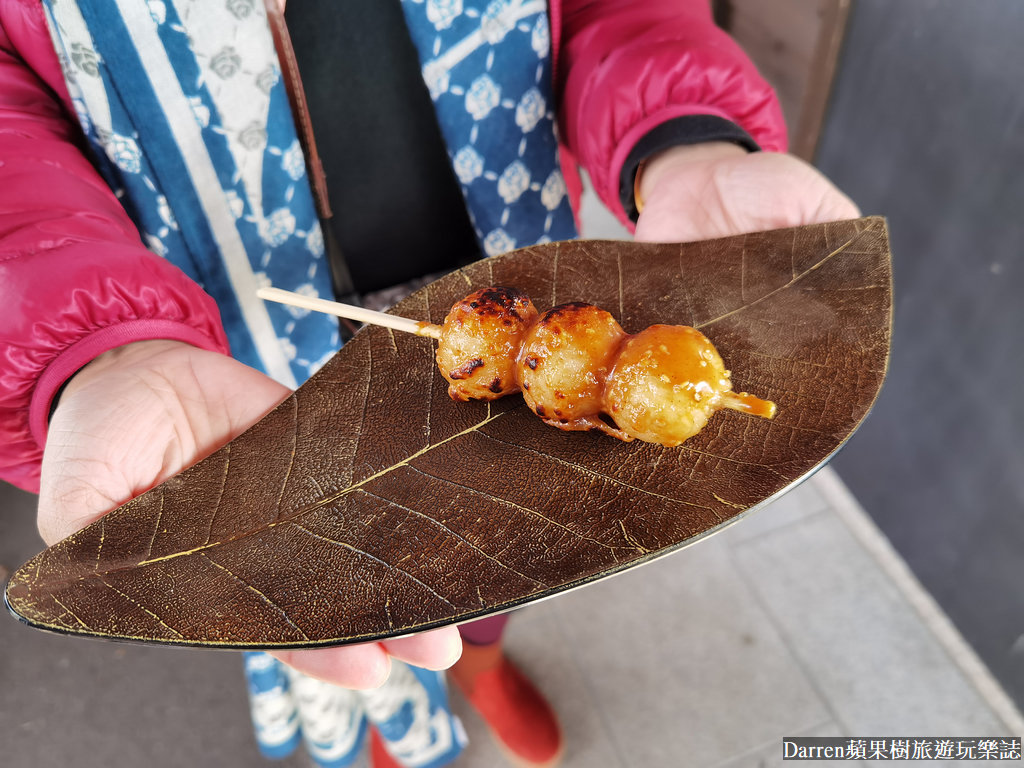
[[76, 280]]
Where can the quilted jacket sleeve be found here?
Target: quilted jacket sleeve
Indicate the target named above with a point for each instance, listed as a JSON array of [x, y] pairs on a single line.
[[626, 69], [75, 279]]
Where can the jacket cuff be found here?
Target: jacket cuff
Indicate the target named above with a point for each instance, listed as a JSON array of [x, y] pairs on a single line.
[[678, 131], [87, 349], [68, 303]]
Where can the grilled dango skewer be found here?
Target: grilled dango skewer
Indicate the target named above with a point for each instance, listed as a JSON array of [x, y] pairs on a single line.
[[575, 365]]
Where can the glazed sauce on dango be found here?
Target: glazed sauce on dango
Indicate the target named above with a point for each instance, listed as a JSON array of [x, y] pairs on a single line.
[[578, 369], [667, 382], [755, 406], [564, 361]]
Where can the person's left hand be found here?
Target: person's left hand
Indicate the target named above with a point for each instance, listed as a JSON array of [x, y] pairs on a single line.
[[702, 191]]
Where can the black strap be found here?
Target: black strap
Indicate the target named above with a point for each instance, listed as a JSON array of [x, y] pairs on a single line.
[[690, 129]]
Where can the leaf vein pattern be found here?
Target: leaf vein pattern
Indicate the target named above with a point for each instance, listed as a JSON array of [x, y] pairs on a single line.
[[366, 401], [715, 456], [554, 273], [512, 504], [681, 267], [782, 288], [322, 503], [621, 286], [220, 494], [73, 615], [103, 536], [267, 600], [593, 473], [789, 360], [156, 526], [465, 541], [141, 607], [389, 566], [291, 459]]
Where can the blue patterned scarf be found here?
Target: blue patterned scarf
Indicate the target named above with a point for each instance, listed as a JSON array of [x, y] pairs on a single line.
[[488, 68]]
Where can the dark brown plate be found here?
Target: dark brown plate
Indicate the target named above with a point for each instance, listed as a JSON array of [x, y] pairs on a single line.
[[369, 505]]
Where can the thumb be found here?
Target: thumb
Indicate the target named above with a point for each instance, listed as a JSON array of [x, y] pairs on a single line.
[[135, 416]]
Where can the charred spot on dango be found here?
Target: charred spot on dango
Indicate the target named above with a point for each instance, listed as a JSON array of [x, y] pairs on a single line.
[[480, 340], [564, 360], [505, 303], [465, 370]]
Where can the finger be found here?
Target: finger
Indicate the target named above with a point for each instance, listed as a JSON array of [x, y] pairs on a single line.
[[437, 649], [658, 226], [133, 417], [834, 206], [362, 666], [681, 221], [812, 198]]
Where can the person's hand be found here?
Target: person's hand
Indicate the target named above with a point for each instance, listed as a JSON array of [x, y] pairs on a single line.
[[140, 413], [718, 189]]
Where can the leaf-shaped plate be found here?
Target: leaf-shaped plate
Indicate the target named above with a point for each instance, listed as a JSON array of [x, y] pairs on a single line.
[[370, 505]]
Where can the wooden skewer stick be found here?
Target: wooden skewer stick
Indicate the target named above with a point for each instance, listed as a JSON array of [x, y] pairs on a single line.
[[351, 312], [737, 401], [747, 403]]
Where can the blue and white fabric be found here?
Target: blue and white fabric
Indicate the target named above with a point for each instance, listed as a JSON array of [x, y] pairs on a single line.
[[411, 714], [333, 719], [487, 64], [275, 717], [410, 711], [183, 105]]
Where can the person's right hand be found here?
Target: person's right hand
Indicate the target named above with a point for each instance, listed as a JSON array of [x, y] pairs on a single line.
[[140, 413]]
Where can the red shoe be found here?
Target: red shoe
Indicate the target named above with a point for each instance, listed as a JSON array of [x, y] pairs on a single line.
[[379, 755], [517, 714]]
